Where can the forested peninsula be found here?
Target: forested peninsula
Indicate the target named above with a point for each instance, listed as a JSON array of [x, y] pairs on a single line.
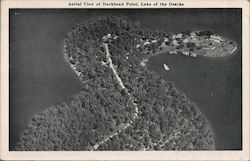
[[122, 105]]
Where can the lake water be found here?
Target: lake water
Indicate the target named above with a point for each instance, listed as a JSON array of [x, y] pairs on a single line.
[[214, 84], [39, 76]]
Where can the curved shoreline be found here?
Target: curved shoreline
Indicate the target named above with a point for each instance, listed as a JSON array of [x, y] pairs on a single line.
[[162, 52], [167, 51], [135, 115], [73, 67], [162, 114], [127, 125], [216, 56]]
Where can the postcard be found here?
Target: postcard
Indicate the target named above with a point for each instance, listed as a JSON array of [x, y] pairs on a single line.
[[124, 80]]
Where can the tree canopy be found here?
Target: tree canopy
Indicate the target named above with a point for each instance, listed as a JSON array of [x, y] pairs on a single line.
[[167, 120]]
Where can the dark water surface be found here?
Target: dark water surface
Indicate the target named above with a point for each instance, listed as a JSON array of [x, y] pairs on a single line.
[[39, 76], [214, 84]]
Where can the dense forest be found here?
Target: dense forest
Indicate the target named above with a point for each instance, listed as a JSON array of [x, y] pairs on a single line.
[[167, 119]]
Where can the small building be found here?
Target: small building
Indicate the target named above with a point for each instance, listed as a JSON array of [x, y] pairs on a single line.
[[215, 40], [193, 55], [109, 36], [105, 38], [154, 41], [193, 34], [163, 45], [185, 53], [216, 37], [143, 62], [115, 37], [104, 63], [166, 39], [174, 36], [173, 52], [185, 40], [138, 45], [175, 42], [146, 42], [179, 36]]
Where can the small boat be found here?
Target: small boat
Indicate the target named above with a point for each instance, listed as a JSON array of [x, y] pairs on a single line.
[[166, 67]]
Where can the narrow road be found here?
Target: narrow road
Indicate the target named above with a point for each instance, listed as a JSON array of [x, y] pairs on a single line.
[[135, 115]]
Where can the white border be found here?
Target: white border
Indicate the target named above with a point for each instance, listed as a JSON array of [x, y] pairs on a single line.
[[121, 155]]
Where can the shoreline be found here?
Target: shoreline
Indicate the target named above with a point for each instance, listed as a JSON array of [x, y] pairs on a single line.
[[144, 61], [209, 124], [161, 51], [73, 67], [144, 92], [127, 125]]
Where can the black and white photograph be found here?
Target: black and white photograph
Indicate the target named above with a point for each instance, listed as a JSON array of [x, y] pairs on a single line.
[[125, 79]]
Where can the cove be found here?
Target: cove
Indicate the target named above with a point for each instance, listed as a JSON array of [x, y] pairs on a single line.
[[40, 77], [214, 84]]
